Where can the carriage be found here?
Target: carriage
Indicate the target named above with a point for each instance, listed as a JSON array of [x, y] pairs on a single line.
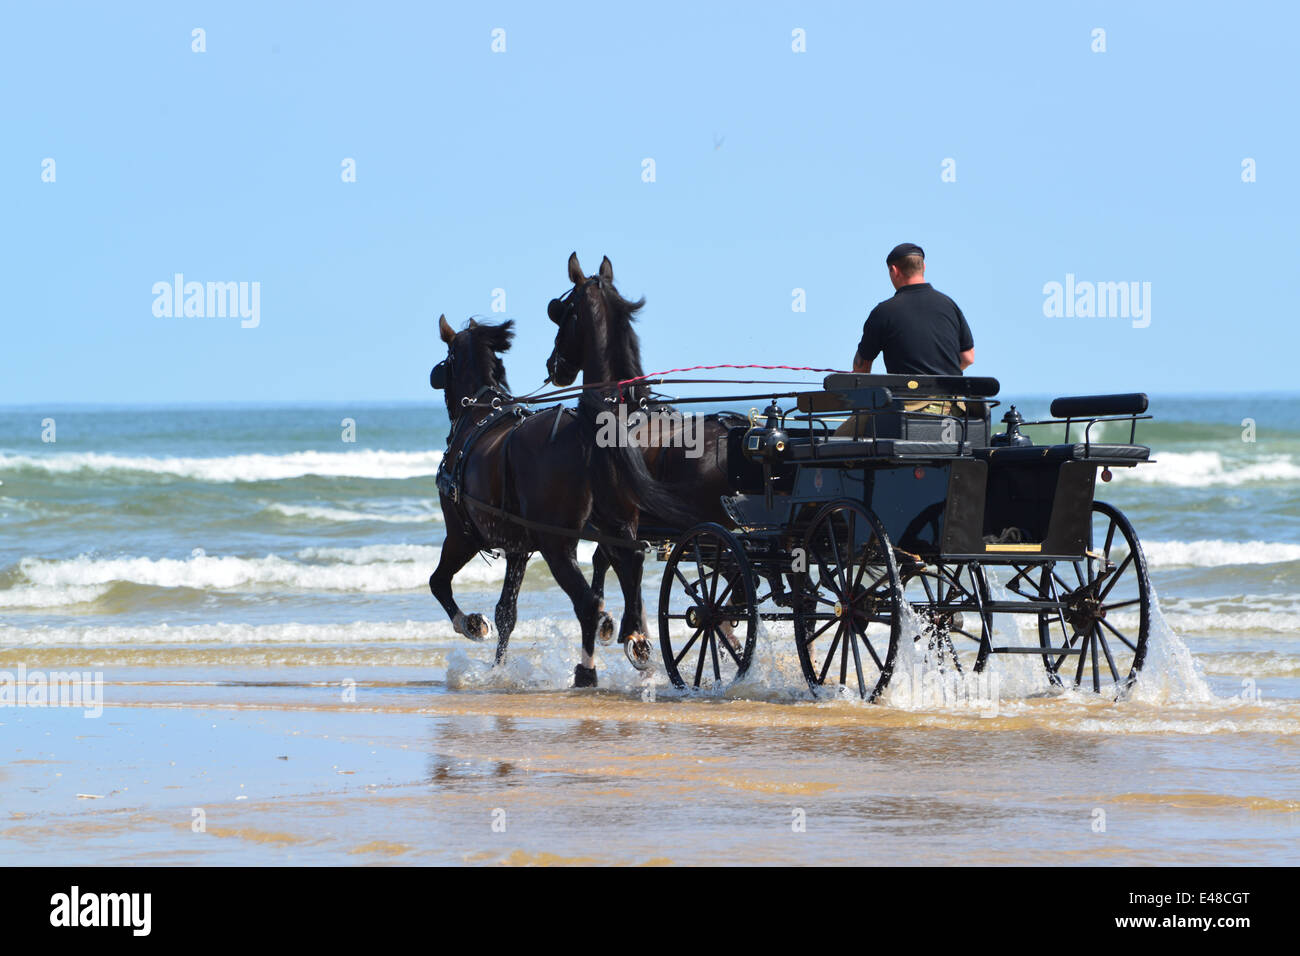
[[883, 520]]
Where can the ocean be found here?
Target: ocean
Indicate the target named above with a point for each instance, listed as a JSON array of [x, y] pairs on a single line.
[[253, 561]]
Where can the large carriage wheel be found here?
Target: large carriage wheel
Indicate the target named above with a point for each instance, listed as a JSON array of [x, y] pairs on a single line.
[[708, 619], [950, 602], [1107, 613], [846, 618]]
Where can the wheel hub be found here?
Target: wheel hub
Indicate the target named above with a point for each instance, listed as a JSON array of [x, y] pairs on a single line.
[[1083, 609]]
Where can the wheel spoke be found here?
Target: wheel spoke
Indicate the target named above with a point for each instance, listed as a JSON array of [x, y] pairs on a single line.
[[1110, 627], [857, 666], [699, 666], [830, 655], [823, 629], [678, 659], [726, 646], [1115, 577], [1099, 637]]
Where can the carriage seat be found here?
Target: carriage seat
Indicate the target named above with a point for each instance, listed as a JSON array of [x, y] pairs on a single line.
[[1077, 451]]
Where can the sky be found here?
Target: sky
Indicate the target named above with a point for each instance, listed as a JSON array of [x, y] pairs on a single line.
[[999, 137]]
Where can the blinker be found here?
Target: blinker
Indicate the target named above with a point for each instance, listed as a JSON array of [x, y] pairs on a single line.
[[555, 311], [438, 377]]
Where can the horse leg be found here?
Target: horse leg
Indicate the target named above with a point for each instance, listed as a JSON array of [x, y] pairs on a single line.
[[599, 566], [456, 553], [629, 565], [516, 564], [587, 606]]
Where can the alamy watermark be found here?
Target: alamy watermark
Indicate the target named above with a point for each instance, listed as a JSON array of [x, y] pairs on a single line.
[[666, 428], [981, 692], [212, 300], [53, 689], [1101, 300]]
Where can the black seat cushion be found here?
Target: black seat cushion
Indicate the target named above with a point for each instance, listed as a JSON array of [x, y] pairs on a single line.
[[1071, 452]]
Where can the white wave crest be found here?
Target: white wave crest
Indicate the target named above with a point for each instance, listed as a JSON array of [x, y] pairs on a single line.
[[1216, 553], [47, 583], [379, 568], [257, 467], [1199, 469], [356, 632], [344, 515]]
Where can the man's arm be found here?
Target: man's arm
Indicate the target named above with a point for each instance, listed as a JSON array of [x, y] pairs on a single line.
[[870, 346], [965, 341]]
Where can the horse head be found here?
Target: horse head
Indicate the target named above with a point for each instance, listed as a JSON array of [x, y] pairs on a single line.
[[473, 365], [595, 334]]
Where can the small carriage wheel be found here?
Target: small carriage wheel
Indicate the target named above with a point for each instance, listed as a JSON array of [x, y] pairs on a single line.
[[708, 619], [846, 618], [1102, 593], [957, 634]]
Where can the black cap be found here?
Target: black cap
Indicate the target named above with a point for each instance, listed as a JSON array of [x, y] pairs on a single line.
[[903, 249]]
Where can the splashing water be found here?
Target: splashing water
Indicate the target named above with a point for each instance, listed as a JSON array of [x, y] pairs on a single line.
[[1171, 674]]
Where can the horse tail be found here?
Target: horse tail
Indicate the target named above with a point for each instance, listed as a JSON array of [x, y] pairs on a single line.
[[619, 470]]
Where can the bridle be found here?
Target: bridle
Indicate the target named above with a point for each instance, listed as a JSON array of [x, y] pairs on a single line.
[[563, 310], [438, 379]]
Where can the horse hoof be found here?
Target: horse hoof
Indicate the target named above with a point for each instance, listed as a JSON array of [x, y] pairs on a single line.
[[472, 626], [584, 676], [605, 629], [637, 650]]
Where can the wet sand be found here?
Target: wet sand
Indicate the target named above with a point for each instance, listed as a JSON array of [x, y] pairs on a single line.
[[286, 769]]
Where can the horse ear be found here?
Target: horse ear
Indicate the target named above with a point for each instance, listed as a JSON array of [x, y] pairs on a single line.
[[445, 331], [473, 324], [575, 270], [607, 269]]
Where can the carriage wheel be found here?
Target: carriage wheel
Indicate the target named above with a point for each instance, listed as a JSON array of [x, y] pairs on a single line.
[[950, 601], [846, 619], [1108, 609], [708, 620]]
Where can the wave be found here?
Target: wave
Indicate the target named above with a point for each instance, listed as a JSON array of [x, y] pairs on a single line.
[[42, 583], [233, 468], [347, 516], [1201, 469], [380, 568], [357, 632], [1217, 553]]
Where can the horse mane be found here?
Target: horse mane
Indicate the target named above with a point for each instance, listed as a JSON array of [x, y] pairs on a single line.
[[488, 340], [623, 338]]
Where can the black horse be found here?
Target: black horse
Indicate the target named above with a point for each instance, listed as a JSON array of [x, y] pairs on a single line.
[[595, 336], [520, 483]]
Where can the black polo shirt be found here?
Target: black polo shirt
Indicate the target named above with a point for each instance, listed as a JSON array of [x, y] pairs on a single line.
[[920, 330]]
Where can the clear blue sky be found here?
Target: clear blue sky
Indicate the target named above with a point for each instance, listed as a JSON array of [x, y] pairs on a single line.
[[775, 170]]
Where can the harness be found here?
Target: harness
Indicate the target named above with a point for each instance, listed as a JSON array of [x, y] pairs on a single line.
[[451, 470]]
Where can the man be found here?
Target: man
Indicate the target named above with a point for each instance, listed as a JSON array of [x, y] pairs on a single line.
[[920, 330]]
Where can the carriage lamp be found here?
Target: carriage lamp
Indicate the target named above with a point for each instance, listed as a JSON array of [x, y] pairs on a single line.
[[768, 443], [1106, 475], [1012, 437]]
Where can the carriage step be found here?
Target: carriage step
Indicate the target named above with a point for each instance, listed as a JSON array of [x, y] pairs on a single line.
[[1051, 651]]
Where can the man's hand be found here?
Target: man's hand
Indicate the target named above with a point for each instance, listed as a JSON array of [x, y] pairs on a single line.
[[965, 359], [864, 367]]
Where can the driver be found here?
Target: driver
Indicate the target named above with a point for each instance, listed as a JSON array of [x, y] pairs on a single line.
[[920, 330]]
